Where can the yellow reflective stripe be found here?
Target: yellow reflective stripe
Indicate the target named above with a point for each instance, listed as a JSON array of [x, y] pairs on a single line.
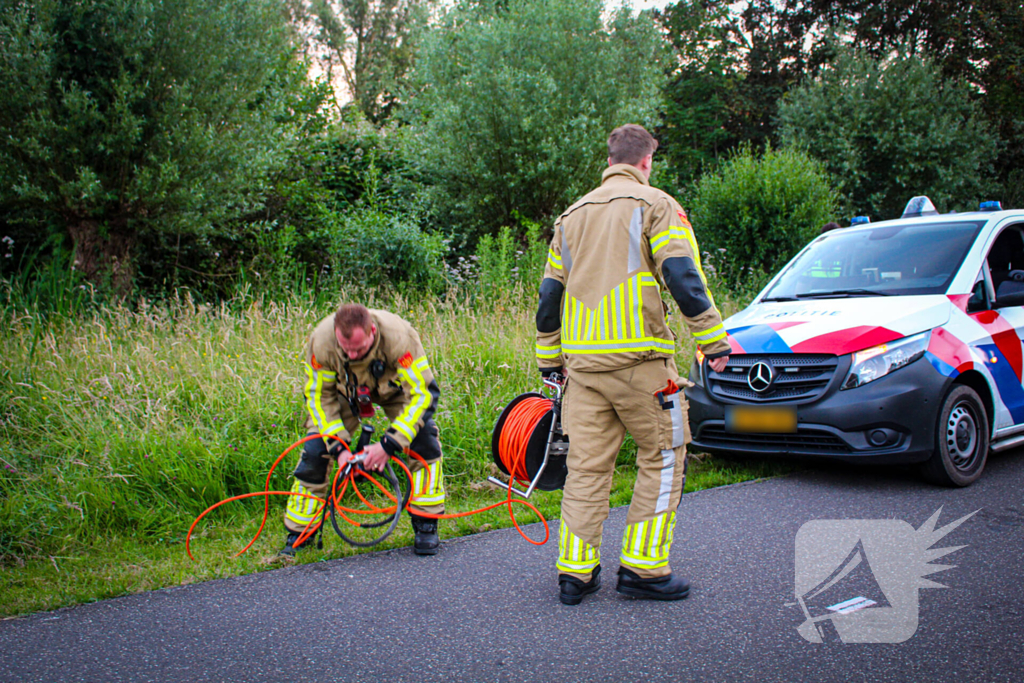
[[333, 428], [619, 346], [432, 493], [710, 335], [549, 351], [302, 510], [574, 555], [674, 231], [413, 376], [314, 396], [721, 336], [615, 325], [647, 544], [554, 260]]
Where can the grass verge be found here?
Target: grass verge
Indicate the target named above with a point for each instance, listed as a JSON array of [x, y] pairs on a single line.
[[119, 426]]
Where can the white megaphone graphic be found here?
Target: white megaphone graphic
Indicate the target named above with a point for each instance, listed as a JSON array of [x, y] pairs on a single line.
[[857, 581]]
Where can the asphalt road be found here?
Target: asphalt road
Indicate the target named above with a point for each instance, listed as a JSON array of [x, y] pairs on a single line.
[[486, 608]]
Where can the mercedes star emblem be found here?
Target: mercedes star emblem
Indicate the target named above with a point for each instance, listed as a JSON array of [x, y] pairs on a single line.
[[760, 376]]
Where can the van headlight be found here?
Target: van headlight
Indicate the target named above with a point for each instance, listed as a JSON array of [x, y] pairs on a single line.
[[879, 361]]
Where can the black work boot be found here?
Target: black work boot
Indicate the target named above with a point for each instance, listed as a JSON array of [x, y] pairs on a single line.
[[669, 587], [571, 590], [290, 548], [427, 540]]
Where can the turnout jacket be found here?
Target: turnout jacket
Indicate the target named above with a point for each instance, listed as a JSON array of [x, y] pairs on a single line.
[[395, 370], [612, 254]]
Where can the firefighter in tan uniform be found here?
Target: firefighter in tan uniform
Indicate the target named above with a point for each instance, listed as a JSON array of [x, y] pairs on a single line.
[[354, 358], [601, 317]]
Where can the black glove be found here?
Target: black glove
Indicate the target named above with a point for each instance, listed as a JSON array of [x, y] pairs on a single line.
[[545, 373], [337, 448]]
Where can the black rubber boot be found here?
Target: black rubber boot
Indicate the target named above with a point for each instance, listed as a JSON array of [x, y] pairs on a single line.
[[669, 587], [571, 590], [290, 549], [427, 540]]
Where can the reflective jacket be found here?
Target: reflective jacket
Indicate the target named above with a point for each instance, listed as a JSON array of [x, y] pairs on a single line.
[[612, 254], [395, 370]]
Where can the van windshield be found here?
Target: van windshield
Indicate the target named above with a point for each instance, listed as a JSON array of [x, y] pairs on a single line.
[[897, 259]]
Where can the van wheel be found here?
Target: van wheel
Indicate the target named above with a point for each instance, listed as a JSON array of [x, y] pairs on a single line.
[[961, 441]]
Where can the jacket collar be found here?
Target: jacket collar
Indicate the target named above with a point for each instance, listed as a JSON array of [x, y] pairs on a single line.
[[623, 172]]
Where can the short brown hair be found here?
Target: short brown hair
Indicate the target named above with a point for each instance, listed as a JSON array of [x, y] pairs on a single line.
[[629, 144], [351, 316]]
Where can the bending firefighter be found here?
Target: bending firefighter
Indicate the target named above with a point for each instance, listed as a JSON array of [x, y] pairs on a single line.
[[601, 317], [354, 359]]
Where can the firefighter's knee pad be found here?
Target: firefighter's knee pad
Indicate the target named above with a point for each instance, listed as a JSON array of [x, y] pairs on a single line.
[[426, 443], [312, 467]]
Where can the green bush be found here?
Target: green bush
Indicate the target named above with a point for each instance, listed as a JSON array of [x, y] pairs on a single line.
[[377, 248], [756, 211]]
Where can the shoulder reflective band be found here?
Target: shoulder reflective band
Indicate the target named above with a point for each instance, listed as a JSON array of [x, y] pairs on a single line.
[[554, 260]]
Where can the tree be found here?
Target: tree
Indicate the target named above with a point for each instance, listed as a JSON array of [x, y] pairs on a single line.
[[124, 116], [733, 62], [373, 42], [759, 209], [513, 105], [892, 129], [977, 42]]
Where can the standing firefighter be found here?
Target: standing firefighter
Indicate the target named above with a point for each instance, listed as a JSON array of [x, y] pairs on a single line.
[[356, 358], [601, 316]]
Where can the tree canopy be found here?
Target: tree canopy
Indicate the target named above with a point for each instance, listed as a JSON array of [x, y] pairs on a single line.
[[888, 130], [121, 116], [511, 105]]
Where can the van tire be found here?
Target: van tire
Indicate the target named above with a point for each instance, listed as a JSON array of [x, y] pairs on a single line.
[[961, 440]]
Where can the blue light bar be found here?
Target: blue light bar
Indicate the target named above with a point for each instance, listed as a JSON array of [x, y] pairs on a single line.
[[859, 220], [991, 206]]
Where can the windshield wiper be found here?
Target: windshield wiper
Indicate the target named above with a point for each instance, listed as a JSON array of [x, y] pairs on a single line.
[[842, 292], [779, 298]]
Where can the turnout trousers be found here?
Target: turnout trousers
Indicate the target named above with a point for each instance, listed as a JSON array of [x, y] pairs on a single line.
[[598, 409], [427, 482]]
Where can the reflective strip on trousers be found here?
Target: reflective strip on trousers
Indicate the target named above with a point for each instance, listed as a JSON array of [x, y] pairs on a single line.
[[574, 554], [428, 492], [646, 545], [302, 510]]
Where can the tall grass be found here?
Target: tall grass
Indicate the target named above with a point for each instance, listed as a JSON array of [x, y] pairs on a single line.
[[119, 424]]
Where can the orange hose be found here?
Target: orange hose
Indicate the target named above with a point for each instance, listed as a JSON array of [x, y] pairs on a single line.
[[515, 435], [513, 440]]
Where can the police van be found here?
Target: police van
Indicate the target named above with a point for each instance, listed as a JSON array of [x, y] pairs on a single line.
[[889, 342]]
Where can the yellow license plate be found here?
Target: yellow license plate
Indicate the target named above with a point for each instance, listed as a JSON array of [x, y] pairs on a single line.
[[775, 420]]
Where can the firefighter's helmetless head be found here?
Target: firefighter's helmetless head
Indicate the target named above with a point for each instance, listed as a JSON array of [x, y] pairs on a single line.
[[355, 331], [632, 144]]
